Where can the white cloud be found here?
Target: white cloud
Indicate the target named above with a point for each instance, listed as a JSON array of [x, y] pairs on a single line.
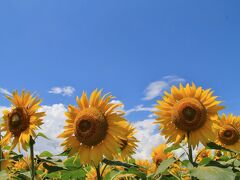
[[148, 137], [4, 91], [156, 88], [65, 90], [140, 108], [52, 127]]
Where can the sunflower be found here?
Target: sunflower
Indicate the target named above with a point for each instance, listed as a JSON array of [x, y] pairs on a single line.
[[94, 129], [177, 170], [228, 131], [158, 154], [146, 166], [188, 112], [203, 153], [22, 120], [128, 145], [22, 164]]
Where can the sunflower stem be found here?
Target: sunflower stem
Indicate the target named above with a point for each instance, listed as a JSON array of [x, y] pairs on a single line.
[[98, 173], [103, 169], [190, 155], [31, 143]]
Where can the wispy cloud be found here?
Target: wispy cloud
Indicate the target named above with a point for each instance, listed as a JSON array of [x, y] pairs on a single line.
[[4, 91], [65, 90], [156, 88], [140, 108]]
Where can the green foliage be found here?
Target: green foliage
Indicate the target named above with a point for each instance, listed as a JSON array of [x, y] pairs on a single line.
[[42, 135], [164, 165], [213, 173], [205, 161], [111, 175], [73, 174], [172, 148], [46, 154], [215, 146], [72, 163], [52, 168]]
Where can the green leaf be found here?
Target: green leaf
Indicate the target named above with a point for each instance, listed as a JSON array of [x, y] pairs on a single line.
[[185, 163], [27, 174], [72, 163], [45, 154], [42, 135], [236, 163], [64, 153], [171, 148], [213, 173], [7, 147], [118, 163], [111, 175], [218, 164], [224, 158], [213, 145], [135, 171], [237, 175], [39, 172], [52, 168], [164, 165], [17, 157], [205, 161], [76, 174], [131, 161], [53, 175]]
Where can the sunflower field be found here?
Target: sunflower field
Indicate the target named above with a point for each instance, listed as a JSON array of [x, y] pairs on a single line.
[[99, 142]]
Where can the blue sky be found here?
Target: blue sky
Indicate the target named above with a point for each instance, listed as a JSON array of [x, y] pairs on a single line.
[[120, 46]]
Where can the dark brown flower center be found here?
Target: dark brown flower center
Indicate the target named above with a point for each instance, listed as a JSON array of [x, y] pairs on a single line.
[[18, 120], [189, 114], [229, 135], [84, 125], [90, 127]]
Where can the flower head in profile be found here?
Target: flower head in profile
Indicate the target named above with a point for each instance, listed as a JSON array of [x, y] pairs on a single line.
[[158, 154], [129, 143]]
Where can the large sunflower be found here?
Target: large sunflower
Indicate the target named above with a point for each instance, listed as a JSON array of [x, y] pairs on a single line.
[[21, 120], [228, 131], [128, 145], [188, 111], [158, 154], [94, 129]]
